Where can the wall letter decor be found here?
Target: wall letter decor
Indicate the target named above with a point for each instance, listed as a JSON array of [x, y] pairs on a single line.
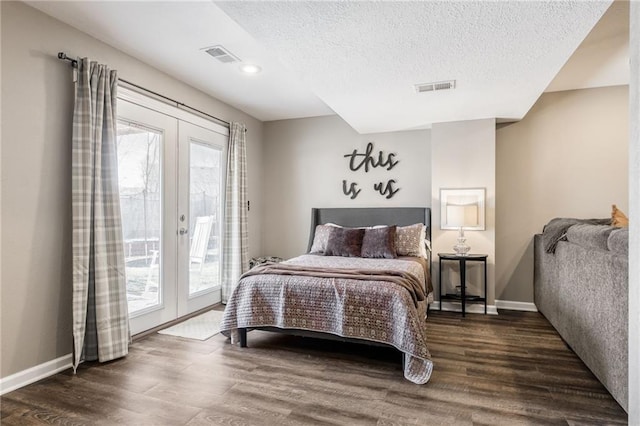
[[369, 160], [387, 190], [352, 191]]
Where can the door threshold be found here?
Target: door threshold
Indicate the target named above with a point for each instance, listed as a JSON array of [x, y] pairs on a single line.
[[171, 323]]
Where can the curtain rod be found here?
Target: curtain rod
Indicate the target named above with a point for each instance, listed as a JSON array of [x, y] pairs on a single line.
[[74, 63]]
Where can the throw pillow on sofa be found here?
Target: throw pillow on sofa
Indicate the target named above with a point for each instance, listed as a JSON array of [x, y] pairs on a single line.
[[590, 236]]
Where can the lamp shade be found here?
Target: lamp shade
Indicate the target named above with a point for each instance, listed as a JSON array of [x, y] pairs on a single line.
[[462, 215]]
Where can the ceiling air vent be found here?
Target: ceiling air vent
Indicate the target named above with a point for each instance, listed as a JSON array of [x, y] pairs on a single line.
[[438, 85], [221, 54]]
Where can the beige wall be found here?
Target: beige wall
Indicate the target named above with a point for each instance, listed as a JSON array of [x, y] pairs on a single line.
[[463, 156], [566, 158], [37, 102], [304, 168]]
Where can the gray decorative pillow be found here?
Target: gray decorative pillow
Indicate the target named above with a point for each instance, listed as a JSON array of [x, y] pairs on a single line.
[[346, 242], [590, 236], [379, 242], [410, 240], [320, 238]]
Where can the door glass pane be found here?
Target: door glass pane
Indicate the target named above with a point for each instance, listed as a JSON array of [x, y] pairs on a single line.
[[139, 177], [204, 217]]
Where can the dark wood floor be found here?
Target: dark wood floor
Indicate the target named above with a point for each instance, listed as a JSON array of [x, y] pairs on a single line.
[[489, 370]]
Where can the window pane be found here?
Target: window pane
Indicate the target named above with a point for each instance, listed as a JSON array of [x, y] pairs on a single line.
[[139, 176], [204, 220]]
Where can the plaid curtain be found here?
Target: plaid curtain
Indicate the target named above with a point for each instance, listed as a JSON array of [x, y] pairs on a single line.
[[235, 248], [100, 316]]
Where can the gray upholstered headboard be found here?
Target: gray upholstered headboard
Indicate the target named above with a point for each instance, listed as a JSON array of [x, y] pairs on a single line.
[[370, 216]]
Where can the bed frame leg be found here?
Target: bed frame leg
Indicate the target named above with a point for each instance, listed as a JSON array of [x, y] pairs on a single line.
[[243, 337]]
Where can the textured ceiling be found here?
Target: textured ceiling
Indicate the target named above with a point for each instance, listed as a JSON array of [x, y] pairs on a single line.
[[363, 58], [170, 36]]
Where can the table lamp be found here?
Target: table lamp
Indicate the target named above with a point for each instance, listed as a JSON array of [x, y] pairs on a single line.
[[461, 216]]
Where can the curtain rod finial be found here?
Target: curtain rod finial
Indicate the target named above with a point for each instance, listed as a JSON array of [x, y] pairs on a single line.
[[64, 57]]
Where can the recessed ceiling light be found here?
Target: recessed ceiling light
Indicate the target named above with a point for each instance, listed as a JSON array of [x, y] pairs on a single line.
[[250, 68]]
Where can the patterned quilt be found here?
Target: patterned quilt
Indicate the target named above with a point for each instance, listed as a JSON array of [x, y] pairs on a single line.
[[379, 311]]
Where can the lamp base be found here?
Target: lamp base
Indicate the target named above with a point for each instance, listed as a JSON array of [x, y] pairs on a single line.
[[461, 248]]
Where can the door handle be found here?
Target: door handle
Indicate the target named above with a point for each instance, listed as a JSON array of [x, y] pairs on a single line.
[[183, 231]]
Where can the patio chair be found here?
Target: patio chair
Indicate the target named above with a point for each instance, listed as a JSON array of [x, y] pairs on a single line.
[[197, 252], [200, 241]]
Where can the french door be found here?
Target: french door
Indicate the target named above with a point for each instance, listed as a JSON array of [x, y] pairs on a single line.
[[171, 172]]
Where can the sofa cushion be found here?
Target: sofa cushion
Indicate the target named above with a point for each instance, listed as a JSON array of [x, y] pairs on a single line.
[[618, 241], [590, 236]]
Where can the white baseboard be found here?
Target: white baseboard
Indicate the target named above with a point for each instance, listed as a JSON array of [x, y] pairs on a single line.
[[33, 374], [516, 306], [475, 308]]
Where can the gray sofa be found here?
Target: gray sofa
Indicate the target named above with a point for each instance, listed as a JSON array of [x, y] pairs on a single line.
[[581, 287]]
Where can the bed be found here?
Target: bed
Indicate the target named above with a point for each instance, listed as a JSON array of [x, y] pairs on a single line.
[[379, 300]]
